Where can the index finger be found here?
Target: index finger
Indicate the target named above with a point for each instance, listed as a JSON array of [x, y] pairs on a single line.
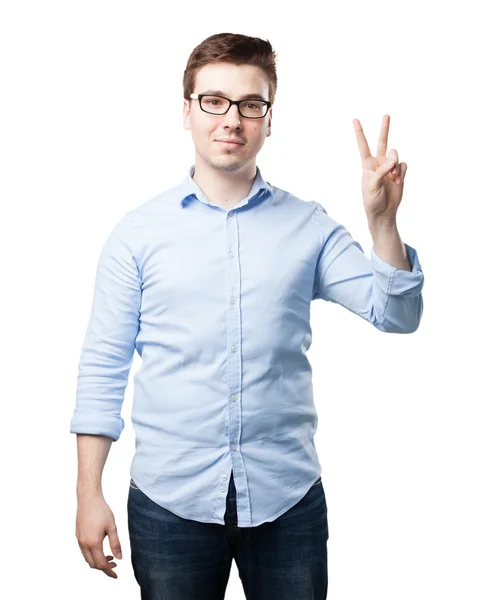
[[361, 139]]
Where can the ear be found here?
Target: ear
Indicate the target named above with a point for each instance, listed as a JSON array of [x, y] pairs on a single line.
[[186, 114], [268, 130]]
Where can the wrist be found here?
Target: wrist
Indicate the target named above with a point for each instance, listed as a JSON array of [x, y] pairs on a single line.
[[382, 221], [88, 489], [377, 225]]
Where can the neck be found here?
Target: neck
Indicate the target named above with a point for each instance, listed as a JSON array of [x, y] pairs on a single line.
[[224, 188]]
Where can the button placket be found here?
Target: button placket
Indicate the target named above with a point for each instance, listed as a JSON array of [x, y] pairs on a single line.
[[233, 341]]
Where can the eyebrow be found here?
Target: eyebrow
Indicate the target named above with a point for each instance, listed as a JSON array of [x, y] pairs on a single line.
[[245, 96]]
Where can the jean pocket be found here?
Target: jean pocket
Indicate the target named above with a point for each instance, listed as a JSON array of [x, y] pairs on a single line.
[[317, 482], [132, 484]]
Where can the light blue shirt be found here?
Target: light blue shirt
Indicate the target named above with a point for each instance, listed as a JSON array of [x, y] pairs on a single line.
[[217, 304]]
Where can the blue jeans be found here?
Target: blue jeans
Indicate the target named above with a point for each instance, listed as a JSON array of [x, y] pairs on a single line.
[[181, 559]]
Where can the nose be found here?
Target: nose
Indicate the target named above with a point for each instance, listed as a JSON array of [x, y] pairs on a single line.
[[232, 117]]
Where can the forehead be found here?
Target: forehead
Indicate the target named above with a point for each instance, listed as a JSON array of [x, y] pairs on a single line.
[[233, 80]]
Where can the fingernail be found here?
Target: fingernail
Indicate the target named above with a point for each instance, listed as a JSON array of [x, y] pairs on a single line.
[[119, 554]]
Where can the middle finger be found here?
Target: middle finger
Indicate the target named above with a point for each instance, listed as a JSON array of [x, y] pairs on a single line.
[[383, 136]]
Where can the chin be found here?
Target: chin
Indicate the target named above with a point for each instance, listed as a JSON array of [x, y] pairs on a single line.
[[230, 167]]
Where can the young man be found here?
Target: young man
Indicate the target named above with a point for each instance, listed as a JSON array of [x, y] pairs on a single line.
[[211, 282]]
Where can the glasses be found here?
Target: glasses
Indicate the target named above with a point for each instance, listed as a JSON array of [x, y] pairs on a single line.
[[219, 105]]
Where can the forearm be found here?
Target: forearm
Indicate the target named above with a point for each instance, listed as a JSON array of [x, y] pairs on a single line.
[[92, 454], [388, 246]]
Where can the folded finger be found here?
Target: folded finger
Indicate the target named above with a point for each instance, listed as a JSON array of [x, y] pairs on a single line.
[[87, 556], [100, 559], [402, 173]]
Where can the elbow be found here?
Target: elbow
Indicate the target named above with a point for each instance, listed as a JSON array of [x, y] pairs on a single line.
[[406, 317], [397, 326]]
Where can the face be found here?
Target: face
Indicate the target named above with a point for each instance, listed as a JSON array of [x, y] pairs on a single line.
[[206, 129]]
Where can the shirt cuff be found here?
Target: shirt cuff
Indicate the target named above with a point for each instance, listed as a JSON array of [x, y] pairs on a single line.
[[396, 282], [91, 422]]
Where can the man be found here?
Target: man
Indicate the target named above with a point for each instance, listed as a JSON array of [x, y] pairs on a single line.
[[211, 282]]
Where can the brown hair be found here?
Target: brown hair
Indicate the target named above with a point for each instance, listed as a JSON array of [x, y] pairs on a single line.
[[233, 48]]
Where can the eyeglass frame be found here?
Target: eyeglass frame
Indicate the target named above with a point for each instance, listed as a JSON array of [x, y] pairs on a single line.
[[237, 102]]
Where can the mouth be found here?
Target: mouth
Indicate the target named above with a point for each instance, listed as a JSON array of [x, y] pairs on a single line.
[[227, 144]]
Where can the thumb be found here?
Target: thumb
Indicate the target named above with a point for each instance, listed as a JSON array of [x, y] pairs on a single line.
[[114, 541]]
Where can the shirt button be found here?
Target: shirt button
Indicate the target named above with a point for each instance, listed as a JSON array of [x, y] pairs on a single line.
[[233, 348], [233, 447], [231, 254], [224, 478], [234, 398], [222, 489], [232, 300]]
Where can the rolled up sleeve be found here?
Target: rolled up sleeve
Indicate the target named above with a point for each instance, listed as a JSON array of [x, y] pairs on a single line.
[[108, 347], [387, 297]]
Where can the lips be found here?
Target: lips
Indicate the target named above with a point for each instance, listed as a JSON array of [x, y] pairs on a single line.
[[230, 142]]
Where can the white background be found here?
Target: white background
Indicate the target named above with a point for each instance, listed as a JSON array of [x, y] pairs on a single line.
[[91, 127]]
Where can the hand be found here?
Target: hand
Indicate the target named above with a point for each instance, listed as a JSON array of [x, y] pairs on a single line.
[[382, 192], [94, 520]]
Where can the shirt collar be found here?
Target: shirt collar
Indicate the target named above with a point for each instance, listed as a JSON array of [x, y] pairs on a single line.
[[189, 187]]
